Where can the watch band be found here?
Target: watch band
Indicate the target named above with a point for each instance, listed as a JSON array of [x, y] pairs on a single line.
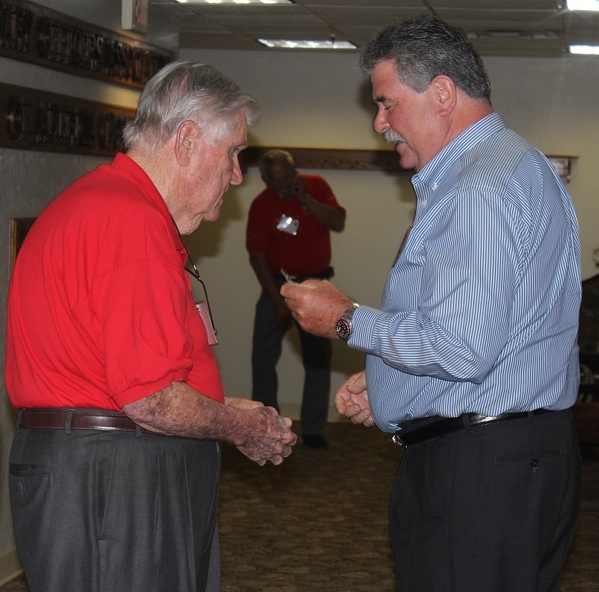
[[344, 324]]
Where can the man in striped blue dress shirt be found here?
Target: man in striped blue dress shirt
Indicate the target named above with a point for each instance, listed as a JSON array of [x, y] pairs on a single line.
[[472, 360]]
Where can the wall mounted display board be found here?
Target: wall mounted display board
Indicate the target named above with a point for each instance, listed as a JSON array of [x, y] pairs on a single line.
[[41, 36], [39, 120]]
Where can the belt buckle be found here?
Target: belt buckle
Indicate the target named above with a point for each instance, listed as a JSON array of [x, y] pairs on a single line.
[[397, 440]]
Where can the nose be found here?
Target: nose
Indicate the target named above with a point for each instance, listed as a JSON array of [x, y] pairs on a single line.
[[380, 124], [237, 175]]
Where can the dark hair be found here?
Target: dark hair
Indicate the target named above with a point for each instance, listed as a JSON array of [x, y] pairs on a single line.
[[188, 90], [424, 47], [272, 156]]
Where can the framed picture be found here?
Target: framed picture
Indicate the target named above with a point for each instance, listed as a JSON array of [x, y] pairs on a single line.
[[19, 227], [134, 15]]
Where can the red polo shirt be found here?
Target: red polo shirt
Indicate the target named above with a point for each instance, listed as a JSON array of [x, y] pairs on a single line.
[[309, 250], [100, 310]]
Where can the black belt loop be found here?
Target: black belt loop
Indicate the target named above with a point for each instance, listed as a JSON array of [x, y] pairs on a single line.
[[138, 431], [19, 415], [466, 421], [67, 423]]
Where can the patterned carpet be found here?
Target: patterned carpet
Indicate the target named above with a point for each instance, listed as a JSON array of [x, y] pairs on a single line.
[[318, 522]]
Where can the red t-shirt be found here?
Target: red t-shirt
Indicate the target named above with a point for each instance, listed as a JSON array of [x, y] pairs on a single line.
[[100, 309], [305, 253]]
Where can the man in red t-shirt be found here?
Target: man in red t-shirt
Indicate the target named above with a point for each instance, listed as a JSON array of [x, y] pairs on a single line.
[[288, 230], [115, 464]]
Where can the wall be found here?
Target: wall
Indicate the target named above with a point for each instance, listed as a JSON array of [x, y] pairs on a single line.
[[309, 100]]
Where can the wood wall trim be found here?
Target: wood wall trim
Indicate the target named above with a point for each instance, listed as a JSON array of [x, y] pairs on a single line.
[[366, 160], [330, 158]]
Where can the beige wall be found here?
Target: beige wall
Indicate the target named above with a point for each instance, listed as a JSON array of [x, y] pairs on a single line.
[[309, 100]]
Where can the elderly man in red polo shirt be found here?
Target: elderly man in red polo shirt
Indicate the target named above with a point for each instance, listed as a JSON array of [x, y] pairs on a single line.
[[115, 463]]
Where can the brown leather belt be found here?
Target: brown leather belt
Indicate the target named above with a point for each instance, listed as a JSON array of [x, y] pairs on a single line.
[[77, 419]]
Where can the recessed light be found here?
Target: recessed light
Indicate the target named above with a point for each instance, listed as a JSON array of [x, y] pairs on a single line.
[[585, 49], [237, 2], [583, 5], [307, 44]]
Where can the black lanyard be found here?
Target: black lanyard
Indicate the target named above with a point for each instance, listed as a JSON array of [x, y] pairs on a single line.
[[194, 271]]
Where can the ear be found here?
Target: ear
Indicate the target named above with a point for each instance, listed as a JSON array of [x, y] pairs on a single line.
[[186, 140], [444, 94]]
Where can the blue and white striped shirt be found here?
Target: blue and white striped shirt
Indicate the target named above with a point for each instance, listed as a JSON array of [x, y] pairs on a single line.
[[480, 310]]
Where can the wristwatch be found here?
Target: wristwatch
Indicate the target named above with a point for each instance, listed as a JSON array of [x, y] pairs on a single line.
[[344, 324]]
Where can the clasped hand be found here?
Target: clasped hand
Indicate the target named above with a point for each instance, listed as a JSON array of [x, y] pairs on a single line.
[[269, 437]]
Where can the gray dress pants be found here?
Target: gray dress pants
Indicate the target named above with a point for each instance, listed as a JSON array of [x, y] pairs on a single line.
[[114, 511]]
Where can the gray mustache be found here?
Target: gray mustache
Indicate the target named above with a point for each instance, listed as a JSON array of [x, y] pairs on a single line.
[[392, 136]]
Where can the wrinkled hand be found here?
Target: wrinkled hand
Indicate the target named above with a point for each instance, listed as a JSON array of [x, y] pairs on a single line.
[[239, 403], [351, 400], [266, 436], [316, 305]]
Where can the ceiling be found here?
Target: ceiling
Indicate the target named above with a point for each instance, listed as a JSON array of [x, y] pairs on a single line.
[[495, 27]]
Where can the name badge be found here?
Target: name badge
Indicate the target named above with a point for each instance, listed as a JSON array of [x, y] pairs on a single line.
[[205, 316], [288, 224]]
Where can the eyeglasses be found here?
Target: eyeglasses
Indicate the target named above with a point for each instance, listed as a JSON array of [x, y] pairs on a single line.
[[195, 272]]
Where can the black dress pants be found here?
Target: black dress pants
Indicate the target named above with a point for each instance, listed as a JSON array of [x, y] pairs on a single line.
[[267, 345], [491, 508], [113, 511]]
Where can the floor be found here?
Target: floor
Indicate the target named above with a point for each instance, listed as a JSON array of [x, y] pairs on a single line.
[[317, 523]]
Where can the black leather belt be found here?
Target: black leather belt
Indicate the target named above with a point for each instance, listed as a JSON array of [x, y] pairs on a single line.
[[77, 419], [420, 430]]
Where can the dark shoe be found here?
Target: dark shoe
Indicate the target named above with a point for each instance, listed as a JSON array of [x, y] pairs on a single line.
[[316, 441]]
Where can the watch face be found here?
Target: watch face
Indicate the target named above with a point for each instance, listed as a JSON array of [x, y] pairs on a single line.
[[343, 329]]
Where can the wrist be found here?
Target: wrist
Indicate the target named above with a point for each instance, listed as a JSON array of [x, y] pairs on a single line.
[[344, 325], [306, 200]]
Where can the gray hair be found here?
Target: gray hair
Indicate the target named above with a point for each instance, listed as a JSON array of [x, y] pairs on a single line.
[[188, 90], [272, 156], [424, 47]]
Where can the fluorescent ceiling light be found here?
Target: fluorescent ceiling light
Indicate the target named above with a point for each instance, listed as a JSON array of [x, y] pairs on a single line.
[[305, 44], [237, 2], [585, 49], [583, 5]]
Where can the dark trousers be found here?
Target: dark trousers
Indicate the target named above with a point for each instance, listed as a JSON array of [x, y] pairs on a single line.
[[112, 512], [489, 508], [316, 356]]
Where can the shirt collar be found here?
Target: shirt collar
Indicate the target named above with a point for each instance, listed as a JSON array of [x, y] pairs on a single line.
[[432, 173], [129, 167]]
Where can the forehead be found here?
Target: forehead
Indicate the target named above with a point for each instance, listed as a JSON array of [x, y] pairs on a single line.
[[279, 168], [239, 135], [385, 82]]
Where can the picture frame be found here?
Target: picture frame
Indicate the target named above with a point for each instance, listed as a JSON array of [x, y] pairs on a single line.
[[19, 227], [134, 15]]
